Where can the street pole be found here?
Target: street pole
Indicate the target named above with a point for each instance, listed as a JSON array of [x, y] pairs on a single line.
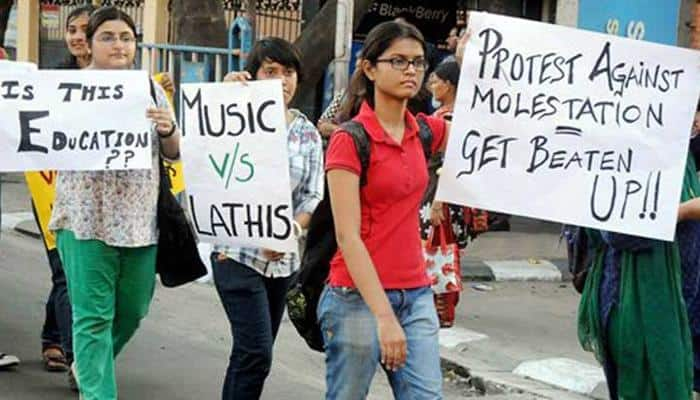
[[343, 44]]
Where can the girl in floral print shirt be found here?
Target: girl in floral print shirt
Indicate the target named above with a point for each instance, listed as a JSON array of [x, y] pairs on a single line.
[[105, 224]]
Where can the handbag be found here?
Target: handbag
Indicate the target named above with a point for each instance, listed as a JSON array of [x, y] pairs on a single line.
[[177, 261], [442, 261]]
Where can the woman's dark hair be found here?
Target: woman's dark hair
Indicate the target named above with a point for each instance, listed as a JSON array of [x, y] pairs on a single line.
[[448, 72], [86, 9], [274, 49], [378, 40], [104, 14], [71, 62]]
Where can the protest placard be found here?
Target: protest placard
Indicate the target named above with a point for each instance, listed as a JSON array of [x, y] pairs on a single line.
[[571, 126], [74, 120], [235, 161]]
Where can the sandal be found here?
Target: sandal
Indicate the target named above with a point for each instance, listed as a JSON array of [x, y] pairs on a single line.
[[54, 359]]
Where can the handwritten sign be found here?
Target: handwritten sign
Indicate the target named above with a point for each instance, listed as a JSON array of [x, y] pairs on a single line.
[[571, 126], [235, 163], [74, 120]]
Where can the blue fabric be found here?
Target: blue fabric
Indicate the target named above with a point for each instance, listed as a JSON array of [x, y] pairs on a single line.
[[610, 283], [352, 347], [254, 305], [688, 234], [58, 322]]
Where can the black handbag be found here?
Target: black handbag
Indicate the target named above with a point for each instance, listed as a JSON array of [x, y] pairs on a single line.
[[177, 261]]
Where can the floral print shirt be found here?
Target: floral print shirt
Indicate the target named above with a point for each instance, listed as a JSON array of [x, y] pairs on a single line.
[[115, 207]]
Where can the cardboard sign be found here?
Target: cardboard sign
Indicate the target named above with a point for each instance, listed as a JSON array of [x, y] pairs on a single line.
[[74, 120], [593, 134], [234, 153]]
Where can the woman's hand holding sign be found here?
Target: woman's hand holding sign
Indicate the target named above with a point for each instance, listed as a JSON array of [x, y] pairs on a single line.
[[166, 128], [240, 76], [689, 210], [164, 122]]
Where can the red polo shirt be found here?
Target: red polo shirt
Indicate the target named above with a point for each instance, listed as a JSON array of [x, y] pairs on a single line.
[[397, 178]]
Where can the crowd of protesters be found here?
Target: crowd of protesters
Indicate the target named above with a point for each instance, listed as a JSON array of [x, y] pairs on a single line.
[[639, 313]]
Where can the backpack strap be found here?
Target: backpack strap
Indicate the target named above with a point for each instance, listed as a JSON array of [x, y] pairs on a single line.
[[426, 137], [362, 145], [359, 136]]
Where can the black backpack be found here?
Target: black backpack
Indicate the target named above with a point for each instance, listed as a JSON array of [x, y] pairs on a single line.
[[321, 246]]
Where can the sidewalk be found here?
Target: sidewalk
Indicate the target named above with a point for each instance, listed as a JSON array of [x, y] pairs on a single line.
[[530, 251]]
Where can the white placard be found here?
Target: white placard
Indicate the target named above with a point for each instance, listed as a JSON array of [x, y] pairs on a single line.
[[571, 126], [235, 162], [74, 120], [17, 66]]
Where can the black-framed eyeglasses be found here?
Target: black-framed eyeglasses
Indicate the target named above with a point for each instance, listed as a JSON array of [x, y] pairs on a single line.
[[401, 64]]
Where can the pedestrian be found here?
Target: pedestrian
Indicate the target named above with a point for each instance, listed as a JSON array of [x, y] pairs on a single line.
[[377, 306], [105, 225], [443, 86], [640, 308], [462, 224], [6, 360], [688, 237], [56, 334], [252, 283], [451, 43]]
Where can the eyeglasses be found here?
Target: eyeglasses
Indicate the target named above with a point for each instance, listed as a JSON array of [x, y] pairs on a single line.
[[401, 64], [112, 39]]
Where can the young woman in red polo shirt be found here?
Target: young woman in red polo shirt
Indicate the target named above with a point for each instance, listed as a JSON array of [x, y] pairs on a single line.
[[378, 305]]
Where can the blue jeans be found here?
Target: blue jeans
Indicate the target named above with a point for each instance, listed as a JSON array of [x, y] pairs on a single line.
[[254, 305], [57, 323], [352, 346]]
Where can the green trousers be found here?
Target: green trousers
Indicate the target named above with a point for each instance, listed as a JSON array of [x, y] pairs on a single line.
[[110, 290]]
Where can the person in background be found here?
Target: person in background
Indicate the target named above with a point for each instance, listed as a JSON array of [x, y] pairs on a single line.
[[688, 237], [74, 35], [329, 121], [6, 360], [252, 283], [640, 309], [451, 43], [464, 223], [443, 86], [695, 137], [105, 225], [56, 334]]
